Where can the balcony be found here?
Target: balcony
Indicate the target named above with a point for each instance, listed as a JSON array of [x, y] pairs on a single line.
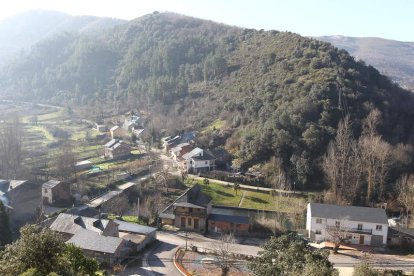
[[350, 230], [192, 213], [360, 230]]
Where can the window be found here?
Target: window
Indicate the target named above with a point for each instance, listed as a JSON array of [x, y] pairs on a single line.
[[359, 226], [319, 221], [337, 223], [189, 221], [206, 163], [379, 227], [318, 232], [45, 190], [190, 210]]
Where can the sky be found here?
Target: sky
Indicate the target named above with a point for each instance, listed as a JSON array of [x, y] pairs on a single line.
[[392, 19]]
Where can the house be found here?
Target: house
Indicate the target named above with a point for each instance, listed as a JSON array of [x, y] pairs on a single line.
[[117, 132], [100, 127], [189, 211], [170, 142], [139, 235], [116, 149], [179, 150], [131, 123], [401, 237], [55, 191], [83, 165], [69, 225], [220, 223], [98, 238], [198, 160], [105, 249], [362, 225]]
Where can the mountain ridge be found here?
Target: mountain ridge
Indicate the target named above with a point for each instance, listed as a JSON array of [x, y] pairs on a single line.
[[393, 58], [277, 94], [23, 30]]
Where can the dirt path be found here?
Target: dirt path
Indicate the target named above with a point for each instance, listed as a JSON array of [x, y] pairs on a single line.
[[242, 198]]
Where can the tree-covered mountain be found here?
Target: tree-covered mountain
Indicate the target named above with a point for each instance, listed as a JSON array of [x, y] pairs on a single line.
[[21, 31], [273, 99], [392, 58]]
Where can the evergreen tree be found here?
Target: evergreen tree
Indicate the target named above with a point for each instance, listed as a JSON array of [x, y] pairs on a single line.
[[5, 232]]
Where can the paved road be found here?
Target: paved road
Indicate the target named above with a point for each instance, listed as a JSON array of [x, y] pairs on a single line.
[[352, 258], [159, 259]]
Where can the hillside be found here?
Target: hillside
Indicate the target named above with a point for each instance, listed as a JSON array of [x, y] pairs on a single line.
[[261, 94], [24, 30], [392, 58]]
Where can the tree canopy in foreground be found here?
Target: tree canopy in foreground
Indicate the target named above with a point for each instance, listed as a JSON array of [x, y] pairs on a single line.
[[43, 252], [289, 255]]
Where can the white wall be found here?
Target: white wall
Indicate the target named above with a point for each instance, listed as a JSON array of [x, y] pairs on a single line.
[[312, 226]]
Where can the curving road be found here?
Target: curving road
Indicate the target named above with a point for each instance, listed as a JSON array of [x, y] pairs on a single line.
[[159, 259]]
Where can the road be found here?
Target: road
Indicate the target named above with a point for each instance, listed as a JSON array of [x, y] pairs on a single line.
[[159, 259], [380, 261]]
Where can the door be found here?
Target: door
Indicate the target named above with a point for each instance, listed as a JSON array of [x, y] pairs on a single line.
[[195, 223], [182, 222], [361, 239]]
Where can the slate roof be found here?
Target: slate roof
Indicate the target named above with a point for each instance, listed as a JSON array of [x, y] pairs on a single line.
[[51, 184], [205, 156], [93, 241], [192, 153], [84, 210], [111, 143], [67, 223], [124, 226], [114, 128], [179, 147], [193, 195], [229, 218], [353, 213]]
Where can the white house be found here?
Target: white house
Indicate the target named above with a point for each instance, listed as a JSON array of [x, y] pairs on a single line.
[[198, 160], [363, 225]]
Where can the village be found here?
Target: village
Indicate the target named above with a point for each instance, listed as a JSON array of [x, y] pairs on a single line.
[[145, 207]]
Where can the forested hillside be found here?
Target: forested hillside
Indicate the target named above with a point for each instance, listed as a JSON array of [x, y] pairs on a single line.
[[20, 32], [272, 99]]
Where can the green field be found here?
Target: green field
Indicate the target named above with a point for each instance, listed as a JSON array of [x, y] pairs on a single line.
[[226, 195]]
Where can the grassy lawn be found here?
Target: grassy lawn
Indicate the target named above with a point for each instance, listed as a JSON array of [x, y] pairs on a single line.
[[223, 195], [257, 200], [46, 134], [49, 116]]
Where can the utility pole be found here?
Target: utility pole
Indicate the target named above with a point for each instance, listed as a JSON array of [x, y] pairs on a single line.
[[186, 236], [138, 209]]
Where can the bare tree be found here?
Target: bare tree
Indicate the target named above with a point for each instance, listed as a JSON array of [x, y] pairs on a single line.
[[65, 162], [224, 249], [338, 234], [117, 205], [161, 177], [342, 164], [11, 140], [376, 156], [405, 186], [151, 206]]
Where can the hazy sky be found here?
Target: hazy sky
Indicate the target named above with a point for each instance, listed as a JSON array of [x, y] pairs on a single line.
[[393, 19]]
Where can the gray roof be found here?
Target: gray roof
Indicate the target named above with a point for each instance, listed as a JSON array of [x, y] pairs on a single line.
[[51, 184], [67, 223], [93, 241], [229, 218], [134, 228], [103, 198], [114, 128], [84, 210], [192, 196], [192, 153], [205, 156], [111, 143], [353, 213]]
